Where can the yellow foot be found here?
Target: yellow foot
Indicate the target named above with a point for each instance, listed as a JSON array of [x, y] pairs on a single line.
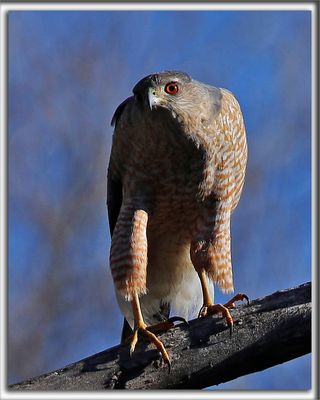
[[210, 309], [148, 332], [237, 297]]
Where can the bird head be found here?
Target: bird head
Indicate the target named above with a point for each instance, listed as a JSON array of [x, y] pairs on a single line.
[[176, 92], [171, 90]]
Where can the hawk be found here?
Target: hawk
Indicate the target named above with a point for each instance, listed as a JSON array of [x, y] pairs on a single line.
[[176, 172]]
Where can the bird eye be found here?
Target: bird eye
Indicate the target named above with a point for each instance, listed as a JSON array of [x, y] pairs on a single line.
[[171, 88]]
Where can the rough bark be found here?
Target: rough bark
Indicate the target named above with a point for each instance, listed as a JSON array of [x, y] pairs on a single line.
[[269, 331]]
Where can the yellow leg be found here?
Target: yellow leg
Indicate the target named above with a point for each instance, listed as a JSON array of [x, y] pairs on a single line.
[[207, 301], [208, 308], [141, 327]]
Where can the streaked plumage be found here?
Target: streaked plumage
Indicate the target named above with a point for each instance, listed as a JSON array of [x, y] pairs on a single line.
[[175, 175]]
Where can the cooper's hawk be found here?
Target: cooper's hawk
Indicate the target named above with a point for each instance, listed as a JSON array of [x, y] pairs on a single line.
[[175, 175]]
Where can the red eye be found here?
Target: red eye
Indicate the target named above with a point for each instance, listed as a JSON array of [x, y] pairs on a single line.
[[171, 88]]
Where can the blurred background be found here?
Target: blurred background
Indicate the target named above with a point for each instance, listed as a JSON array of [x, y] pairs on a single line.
[[67, 73]]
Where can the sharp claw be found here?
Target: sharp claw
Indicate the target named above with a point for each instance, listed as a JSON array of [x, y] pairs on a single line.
[[133, 342], [169, 366], [200, 311], [231, 329], [175, 319]]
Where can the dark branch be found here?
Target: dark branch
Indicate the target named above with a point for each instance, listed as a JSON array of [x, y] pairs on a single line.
[[269, 331]]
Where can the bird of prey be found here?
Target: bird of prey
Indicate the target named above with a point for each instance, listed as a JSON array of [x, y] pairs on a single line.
[[176, 172]]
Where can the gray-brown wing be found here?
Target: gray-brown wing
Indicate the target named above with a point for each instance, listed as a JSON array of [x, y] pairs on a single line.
[[114, 187], [114, 201], [119, 111]]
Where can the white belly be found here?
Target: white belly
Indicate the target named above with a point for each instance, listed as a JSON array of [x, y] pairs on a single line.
[[171, 278]]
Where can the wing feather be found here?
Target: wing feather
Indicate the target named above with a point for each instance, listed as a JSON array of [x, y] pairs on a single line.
[[114, 201], [119, 111]]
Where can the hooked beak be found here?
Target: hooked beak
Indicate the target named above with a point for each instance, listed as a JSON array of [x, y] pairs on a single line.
[[152, 98]]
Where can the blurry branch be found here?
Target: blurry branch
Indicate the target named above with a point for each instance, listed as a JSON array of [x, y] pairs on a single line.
[[269, 331]]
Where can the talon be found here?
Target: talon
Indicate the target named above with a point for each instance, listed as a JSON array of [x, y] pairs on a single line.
[[237, 297], [215, 309], [141, 327], [169, 366], [159, 345], [208, 308], [133, 342], [231, 329], [167, 362], [241, 297], [203, 311]]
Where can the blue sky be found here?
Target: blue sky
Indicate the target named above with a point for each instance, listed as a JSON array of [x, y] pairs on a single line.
[[68, 71]]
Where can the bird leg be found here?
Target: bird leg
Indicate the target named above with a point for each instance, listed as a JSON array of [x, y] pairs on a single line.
[[141, 327], [209, 308]]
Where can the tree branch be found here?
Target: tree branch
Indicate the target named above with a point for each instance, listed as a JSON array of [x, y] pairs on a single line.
[[270, 331]]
